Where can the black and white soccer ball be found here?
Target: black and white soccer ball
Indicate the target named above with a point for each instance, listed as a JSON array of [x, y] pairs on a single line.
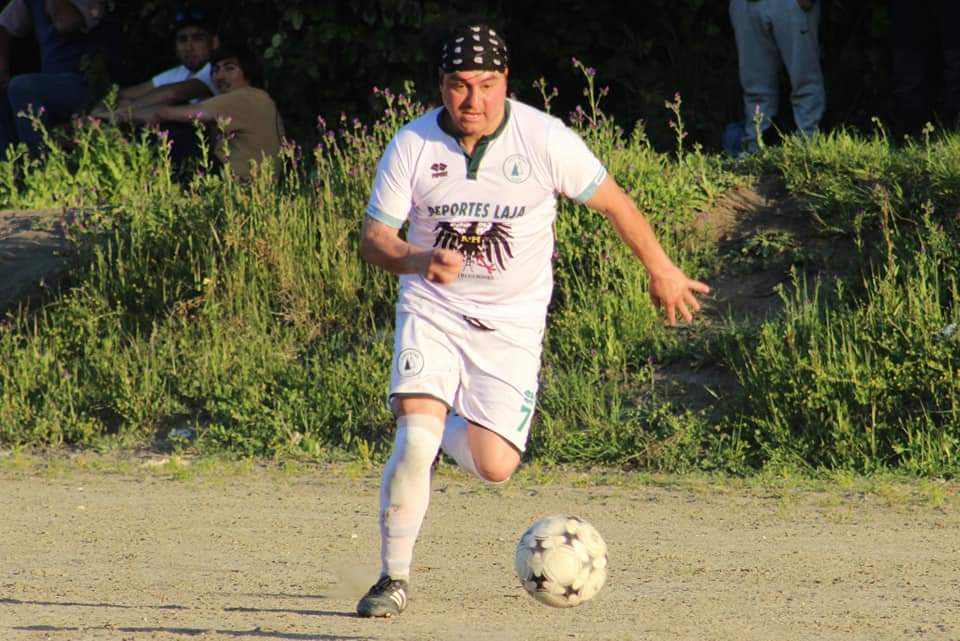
[[562, 561]]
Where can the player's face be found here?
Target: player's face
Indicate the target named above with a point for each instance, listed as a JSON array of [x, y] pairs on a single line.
[[474, 100], [228, 75], [194, 46]]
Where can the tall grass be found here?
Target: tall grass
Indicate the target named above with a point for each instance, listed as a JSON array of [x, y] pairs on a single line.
[[242, 314], [863, 373]]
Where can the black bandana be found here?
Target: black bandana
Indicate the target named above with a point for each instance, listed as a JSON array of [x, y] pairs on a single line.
[[474, 48]]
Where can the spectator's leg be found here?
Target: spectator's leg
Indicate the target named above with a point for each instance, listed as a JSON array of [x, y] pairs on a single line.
[[796, 32], [911, 82], [54, 98], [184, 145], [759, 64], [950, 41]]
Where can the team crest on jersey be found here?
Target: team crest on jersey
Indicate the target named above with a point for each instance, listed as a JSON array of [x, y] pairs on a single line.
[[486, 245], [516, 168], [438, 170]]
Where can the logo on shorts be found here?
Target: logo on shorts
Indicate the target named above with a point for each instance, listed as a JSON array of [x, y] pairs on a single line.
[[516, 168], [410, 362]]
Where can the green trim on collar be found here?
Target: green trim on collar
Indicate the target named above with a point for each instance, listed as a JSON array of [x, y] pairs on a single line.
[[473, 160]]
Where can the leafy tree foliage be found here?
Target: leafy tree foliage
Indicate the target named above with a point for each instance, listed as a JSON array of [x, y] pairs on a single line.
[[324, 58]]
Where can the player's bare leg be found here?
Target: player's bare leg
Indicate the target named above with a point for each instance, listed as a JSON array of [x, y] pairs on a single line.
[[495, 457], [479, 451]]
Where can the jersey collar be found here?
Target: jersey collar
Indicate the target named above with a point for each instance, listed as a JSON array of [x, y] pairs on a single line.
[[473, 160]]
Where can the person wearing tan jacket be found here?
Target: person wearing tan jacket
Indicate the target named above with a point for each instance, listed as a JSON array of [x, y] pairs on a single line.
[[246, 124]]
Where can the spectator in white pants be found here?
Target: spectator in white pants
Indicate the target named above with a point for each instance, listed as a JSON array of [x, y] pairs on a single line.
[[768, 33]]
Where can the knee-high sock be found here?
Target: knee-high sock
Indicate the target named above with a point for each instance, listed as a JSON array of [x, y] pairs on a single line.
[[456, 443], [405, 491]]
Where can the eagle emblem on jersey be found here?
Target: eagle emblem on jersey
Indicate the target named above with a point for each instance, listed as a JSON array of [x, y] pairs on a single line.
[[484, 244]]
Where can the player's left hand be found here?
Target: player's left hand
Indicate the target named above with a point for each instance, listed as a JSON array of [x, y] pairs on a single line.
[[676, 293]]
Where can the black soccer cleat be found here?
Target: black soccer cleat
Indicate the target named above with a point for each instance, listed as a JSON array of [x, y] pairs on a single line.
[[387, 597]]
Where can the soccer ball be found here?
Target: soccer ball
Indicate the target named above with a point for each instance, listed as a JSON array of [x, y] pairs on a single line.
[[562, 561]]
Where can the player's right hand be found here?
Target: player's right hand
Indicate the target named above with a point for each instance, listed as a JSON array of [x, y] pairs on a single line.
[[442, 266], [672, 290]]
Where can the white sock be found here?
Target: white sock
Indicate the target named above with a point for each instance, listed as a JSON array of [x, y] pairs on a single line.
[[456, 443], [405, 491]]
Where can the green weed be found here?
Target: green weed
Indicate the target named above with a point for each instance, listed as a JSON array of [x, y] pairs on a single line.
[[244, 311]]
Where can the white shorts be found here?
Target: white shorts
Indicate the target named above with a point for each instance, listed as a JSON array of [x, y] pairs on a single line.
[[486, 371]]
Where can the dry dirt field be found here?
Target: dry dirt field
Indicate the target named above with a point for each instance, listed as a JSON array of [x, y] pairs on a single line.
[[140, 553]]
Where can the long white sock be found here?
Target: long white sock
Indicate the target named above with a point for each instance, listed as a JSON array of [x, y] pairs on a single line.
[[456, 443], [405, 491]]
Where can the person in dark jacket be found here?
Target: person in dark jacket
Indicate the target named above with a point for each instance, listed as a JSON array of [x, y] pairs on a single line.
[[68, 33]]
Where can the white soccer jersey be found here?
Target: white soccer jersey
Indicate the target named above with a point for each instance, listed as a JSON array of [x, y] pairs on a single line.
[[181, 73], [495, 207]]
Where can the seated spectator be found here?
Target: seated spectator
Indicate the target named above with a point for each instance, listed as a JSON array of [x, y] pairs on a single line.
[[67, 32], [247, 124], [194, 40]]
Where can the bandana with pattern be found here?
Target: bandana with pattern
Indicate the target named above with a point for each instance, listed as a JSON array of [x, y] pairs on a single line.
[[474, 48]]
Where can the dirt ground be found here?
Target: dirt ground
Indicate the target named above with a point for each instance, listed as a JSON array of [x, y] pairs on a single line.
[[278, 556], [32, 248]]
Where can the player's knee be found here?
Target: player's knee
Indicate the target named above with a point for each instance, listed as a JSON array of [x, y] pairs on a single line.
[[417, 442], [495, 471]]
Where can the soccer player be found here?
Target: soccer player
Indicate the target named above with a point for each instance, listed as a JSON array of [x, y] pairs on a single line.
[[477, 181]]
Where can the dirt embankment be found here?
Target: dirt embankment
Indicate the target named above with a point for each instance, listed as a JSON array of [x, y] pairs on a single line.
[[32, 248]]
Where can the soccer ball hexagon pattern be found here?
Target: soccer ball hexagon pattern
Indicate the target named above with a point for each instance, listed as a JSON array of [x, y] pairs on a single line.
[[561, 561]]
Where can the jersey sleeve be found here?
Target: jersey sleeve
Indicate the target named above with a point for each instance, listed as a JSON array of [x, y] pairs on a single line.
[[576, 172], [392, 197]]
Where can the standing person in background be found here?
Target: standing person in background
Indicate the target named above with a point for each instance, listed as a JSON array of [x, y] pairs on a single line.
[[925, 33], [771, 34], [68, 34], [477, 180]]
